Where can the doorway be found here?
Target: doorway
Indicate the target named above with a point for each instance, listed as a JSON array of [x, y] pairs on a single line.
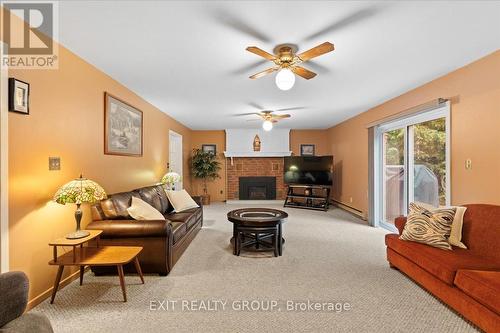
[[176, 156], [413, 164]]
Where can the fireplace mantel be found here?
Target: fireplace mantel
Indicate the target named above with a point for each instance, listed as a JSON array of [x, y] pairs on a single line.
[[275, 143], [257, 154]]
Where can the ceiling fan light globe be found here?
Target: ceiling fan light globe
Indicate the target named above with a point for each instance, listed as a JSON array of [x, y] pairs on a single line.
[[267, 125], [285, 79]]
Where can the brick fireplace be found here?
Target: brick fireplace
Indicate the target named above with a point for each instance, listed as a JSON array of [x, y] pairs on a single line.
[[254, 167]]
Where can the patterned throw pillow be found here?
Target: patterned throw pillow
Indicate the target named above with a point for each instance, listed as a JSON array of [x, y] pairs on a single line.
[[431, 227]]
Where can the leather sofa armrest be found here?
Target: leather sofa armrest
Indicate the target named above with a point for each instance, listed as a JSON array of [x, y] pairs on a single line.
[[400, 222], [131, 228], [198, 199]]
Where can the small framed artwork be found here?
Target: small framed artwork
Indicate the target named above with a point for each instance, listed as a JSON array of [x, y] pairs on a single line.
[[123, 130], [209, 149], [19, 96], [307, 150]]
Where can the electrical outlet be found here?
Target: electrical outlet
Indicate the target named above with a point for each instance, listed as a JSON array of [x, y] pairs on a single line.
[[350, 199], [468, 164], [54, 163]]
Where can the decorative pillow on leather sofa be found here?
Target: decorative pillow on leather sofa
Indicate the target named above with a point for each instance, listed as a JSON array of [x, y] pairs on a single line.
[[431, 227], [181, 200], [456, 227], [141, 210]]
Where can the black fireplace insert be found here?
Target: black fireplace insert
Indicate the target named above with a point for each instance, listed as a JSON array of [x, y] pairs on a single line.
[[257, 188]]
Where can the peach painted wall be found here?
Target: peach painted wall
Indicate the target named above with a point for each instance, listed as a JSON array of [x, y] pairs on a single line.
[[319, 138], [475, 134], [198, 138], [67, 120]]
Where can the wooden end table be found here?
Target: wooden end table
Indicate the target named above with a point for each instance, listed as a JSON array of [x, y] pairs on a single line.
[[93, 256]]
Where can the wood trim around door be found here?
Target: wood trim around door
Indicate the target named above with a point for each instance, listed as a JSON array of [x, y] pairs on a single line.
[[4, 168]]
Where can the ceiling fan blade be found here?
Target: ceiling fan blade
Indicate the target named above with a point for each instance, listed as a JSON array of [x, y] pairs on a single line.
[[281, 116], [291, 109], [249, 67], [346, 21], [254, 119], [256, 106], [261, 74], [246, 114], [302, 72], [238, 23], [261, 52], [317, 67], [316, 51]]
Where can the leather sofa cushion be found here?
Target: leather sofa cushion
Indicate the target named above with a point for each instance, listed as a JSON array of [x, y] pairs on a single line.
[[442, 264], [190, 217], [483, 286], [179, 229], [115, 206], [151, 194]]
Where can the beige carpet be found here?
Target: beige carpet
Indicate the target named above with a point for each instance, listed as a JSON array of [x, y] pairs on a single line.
[[330, 258]]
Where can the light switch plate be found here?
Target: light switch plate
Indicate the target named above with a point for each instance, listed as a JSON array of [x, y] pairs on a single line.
[[54, 163]]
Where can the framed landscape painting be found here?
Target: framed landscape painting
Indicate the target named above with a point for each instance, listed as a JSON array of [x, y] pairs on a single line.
[[306, 150], [123, 130], [209, 148]]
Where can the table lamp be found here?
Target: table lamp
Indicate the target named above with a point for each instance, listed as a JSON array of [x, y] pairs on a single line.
[[78, 191], [170, 179]]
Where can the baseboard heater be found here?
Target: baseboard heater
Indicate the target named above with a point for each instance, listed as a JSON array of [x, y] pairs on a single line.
[[349, 209]]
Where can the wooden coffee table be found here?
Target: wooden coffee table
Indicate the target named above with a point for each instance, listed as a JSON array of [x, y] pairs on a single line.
[[257, 229], [93, 256]]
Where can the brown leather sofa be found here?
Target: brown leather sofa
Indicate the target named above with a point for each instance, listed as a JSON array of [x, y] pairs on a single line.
[[468, 280], [163, 241]]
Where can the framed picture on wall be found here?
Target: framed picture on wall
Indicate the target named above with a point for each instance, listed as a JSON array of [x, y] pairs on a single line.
[[209, 148], [307, 150], [19, 96], [123, 128]]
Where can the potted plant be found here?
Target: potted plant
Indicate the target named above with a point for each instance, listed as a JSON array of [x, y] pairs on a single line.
[[204, 166]]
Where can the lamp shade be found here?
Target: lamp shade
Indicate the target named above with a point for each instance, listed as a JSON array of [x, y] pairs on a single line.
[[285, 79], [78, 191], [267, 125], [171, 178]]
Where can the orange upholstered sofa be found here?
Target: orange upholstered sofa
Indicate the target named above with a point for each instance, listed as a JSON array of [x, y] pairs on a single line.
[[468, 280]]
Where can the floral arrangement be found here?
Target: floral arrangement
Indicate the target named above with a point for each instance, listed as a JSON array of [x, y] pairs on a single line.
[[170, 179]]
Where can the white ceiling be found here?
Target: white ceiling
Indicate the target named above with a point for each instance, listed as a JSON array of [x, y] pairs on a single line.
[[189, 58]]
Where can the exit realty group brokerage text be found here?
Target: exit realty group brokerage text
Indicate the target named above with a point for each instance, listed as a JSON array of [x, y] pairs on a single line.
[[248, 305]]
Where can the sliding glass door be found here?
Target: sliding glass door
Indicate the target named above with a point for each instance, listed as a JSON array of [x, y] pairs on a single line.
[[394, 173], [413, 162]]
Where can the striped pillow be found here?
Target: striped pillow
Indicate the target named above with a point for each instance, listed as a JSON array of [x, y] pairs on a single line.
[[431, 227]]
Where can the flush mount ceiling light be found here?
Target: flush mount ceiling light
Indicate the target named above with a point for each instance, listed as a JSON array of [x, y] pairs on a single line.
[[287, 62], [267, 125], [285, 79]]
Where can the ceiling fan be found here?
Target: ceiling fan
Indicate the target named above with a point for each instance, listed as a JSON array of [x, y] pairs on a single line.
[[269, 116], [287, 62]]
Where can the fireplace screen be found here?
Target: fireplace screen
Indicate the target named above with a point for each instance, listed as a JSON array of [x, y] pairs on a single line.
[[257, 188]]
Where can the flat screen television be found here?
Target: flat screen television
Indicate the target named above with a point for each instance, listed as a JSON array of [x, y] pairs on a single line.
[[308, 170]]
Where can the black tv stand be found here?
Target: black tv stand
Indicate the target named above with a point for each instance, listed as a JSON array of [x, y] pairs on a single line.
[[315, 197]]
